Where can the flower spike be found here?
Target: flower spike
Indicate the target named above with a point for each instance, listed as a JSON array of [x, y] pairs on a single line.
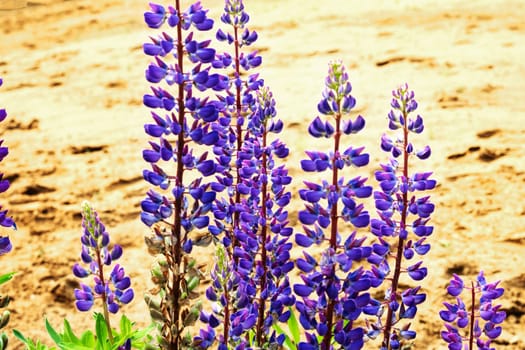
[[396, 203]]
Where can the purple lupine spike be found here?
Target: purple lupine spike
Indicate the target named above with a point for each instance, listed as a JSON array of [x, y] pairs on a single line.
[[333, 293], [402, 215], [260, 293], [475, 319], [5, 221], [239, 219], [115, 289], [185, 126]]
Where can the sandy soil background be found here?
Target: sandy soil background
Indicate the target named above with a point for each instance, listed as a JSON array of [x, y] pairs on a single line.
[[73, 84]]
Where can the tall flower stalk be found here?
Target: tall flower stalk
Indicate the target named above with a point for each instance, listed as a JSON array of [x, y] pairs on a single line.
[[114, 290], [178, 205], [334, 288], [253, 282], [403, 219], [264, 251], [270, 259], [474, 319], [238, 100], [242, 156]]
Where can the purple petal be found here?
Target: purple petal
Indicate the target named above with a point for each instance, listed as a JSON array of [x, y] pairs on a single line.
[[303, 241], [302, 290]]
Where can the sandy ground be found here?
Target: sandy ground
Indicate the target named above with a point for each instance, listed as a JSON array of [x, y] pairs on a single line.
[[73, 84]]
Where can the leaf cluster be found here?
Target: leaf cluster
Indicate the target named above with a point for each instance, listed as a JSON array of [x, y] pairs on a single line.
[[68, 340]]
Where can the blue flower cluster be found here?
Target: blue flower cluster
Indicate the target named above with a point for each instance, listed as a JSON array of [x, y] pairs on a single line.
[[114, 290], [216, 129], [239, 104], [186, 126], [250, 217], [480, 318], [334, 290], [396, 203], [5, 221]]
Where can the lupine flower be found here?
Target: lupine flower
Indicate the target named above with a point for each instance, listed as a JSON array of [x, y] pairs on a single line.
[[403, 217], [476, 319], [334, 289], [238, 99], [264, 233], [255, 235], [114, 290], [177, 207], [5, 221]]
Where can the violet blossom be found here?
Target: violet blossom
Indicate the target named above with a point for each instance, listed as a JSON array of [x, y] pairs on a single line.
[[185, 123], [254, 234], [403, 218], [475, 318], [334, 292], [114, 289]]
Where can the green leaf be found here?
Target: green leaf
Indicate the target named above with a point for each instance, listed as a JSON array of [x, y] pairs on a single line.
[[193, 283], [125, 326], [101, 330], [53, 334], [288, 342], [88, 339], [68, 335], [75, 346], [6, 277], [30, 345], [20, 336], [294, 327]]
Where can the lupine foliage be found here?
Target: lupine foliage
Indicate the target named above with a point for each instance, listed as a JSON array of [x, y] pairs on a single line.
[[402, 227]]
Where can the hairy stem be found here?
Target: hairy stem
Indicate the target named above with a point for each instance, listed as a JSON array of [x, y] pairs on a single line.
[[400, 245], [176, 236], [333, 230]]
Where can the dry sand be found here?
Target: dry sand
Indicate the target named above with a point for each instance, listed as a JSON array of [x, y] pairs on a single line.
[[73, 84]]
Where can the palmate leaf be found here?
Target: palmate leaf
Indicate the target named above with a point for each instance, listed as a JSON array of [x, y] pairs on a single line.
[[125, 326], [68, 340], [30, 345]]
